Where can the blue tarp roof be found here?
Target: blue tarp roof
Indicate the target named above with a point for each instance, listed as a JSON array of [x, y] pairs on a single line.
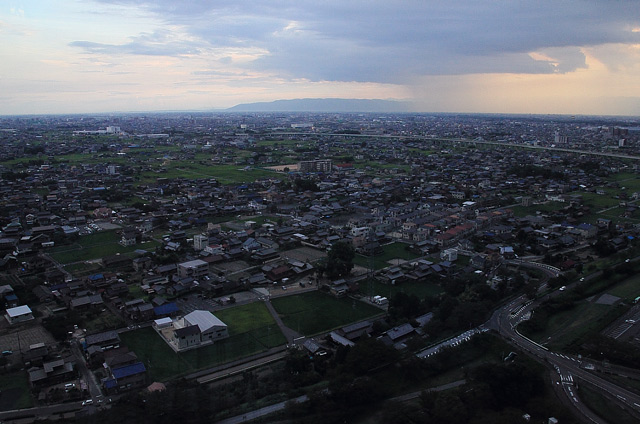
[[128, 370], [96, 277], [167, 308], [110, 384]]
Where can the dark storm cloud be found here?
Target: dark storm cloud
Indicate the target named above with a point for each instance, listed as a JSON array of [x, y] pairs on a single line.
[[383, 41]]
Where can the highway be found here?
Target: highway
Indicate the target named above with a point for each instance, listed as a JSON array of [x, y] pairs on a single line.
[[568, 368], [460, 140]]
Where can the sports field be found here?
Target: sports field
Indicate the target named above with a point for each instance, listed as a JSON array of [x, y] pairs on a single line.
[[317, 312]]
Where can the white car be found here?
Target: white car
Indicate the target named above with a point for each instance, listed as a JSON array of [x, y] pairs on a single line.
[[87, 402]]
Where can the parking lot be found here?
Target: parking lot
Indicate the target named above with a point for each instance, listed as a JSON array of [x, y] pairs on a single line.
[[627, 327]]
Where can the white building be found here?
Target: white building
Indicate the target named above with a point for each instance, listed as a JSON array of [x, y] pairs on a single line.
[[449, 255], [198, 328], [18, 314], [194, 269], [200, 241]]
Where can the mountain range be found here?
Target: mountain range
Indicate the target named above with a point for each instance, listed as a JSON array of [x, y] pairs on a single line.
[[325, 105]]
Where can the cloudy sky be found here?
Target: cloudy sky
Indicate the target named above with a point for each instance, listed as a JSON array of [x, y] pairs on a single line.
[[542, 56]]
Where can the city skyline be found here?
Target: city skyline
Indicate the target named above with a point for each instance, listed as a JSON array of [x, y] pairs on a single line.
[[469, 57]]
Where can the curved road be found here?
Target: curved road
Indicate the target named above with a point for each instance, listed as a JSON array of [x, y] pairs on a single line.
[[568, 368]]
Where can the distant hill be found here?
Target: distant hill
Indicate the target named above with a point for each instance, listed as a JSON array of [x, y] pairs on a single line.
[[325, 105]]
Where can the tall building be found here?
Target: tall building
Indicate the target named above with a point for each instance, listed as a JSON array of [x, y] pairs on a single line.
[[560, 139], [322, 165]]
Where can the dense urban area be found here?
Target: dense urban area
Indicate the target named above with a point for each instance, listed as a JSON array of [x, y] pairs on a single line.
[[319, 268]]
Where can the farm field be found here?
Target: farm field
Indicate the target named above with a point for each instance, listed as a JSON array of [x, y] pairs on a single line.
[[15, 391]]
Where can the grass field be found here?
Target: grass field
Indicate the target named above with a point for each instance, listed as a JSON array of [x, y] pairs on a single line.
[[629, 289], [246, 317], [390, 252], [603, 406], [251, 330], [15, 391], [317, 312], [95, 246], [420, 289], [161, 361], [225, 174], [568, 326]]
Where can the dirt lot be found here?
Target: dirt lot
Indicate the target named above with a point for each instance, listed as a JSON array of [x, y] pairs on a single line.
[[304, 254], [21, 337]]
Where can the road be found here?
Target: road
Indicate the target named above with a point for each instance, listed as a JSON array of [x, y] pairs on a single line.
[[568, 368], [464, 140], [252, 415]]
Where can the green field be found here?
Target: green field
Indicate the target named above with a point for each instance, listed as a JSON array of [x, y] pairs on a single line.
[[420, 289], [161, 361], [15, 391], [604, 407], [95, 246], [251, 330], [317, 312], [246, 317], [568, 326], [629, 289], [390, 252], [225, 174]]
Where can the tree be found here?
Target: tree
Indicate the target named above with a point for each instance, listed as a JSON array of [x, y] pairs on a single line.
[[340, 260]]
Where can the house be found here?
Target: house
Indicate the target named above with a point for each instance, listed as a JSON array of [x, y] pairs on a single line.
[[105, 341], [142, 263], [449, 255], [126, 378], [36, 354], [52, 372], [397, 334], [338, 288], [264, 255], [357, 330], [128, 237], [18, 314]]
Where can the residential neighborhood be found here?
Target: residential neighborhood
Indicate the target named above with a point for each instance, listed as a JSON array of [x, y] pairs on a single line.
[[206, 234]]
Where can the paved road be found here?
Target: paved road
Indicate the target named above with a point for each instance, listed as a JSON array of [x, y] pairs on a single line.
[[42, 411], [252, 415], [282, 405], [567, 367], [290, 334]]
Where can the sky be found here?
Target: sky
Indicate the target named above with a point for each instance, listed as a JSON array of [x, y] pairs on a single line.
[[487, 56]]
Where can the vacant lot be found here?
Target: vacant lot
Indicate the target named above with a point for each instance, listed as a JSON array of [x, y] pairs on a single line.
[[305, 254], [390, 253], [420, 289], [95, 246], [317, 312], [251, 328]]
